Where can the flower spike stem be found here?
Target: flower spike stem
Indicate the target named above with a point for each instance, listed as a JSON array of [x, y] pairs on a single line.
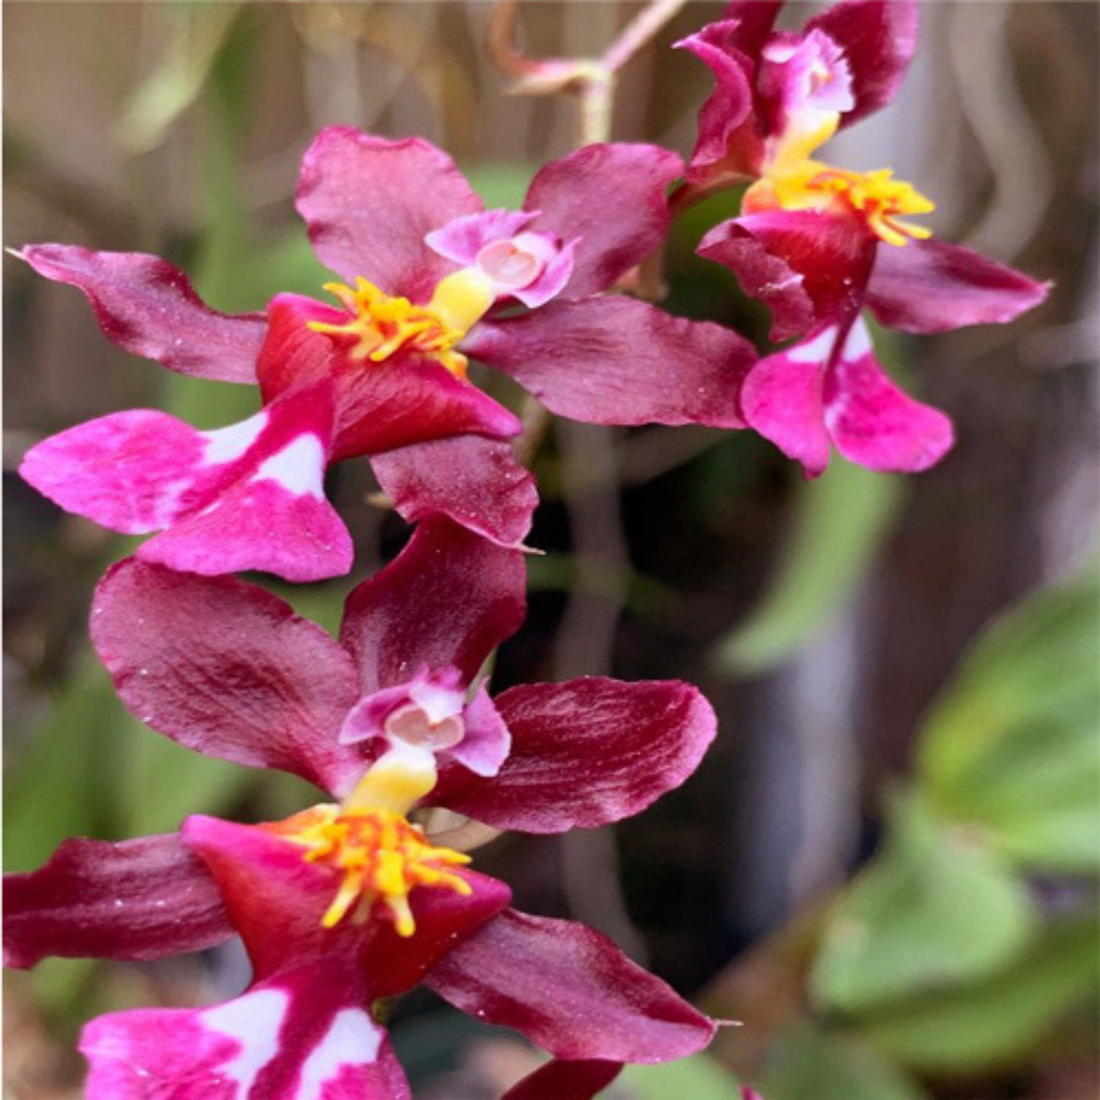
[[593, 81], [639, 31]]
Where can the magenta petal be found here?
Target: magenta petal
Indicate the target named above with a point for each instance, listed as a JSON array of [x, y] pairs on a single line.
[[259, 524], [570, 990], [227, 669], [879, 38], [475, 481], [449, 599], [726, 138], [560, 1080], [585, 753], [783, 399], [148, 307], [462, 239], [488, 740], [276, 900], [809, 268], [132, 901], [620, 361], [125, 471], [306, 1035], [613, 198], [250, 496], [933, 286], [872, 422], [369, 203]]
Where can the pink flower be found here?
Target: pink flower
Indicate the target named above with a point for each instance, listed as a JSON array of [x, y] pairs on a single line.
[[431, 279], [347, 902], [817, 244]]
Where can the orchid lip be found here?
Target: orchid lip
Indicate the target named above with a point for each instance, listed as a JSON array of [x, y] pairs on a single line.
[[381, 857], [380, 326]]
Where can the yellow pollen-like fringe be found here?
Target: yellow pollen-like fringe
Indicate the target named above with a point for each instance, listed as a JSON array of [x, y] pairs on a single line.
[[381, 856], [876, 196], [380, 326], [880, 198]]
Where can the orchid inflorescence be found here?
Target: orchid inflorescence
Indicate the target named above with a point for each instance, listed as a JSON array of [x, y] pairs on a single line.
[[351, 901]]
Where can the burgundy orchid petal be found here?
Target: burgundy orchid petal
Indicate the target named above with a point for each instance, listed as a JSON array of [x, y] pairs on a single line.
[[306, 1035], [755, 22], [477, 482], [589, 1000], [406, 399], [784, 400], [369, 203], [148, 307], [227, 669], [585, 753], [933, 286], [132, 901], [872, 422], [449, 599], [620, 361], [262, 875], [561, 1080], [809, 268], [879, 39], [728, 141], [613, 198]]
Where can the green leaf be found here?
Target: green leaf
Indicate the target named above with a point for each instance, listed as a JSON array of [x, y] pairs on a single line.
[[62, 787], [807, 1064], [198, 34], [162, 782], [502, 184], [699, 1077], [1003, 1018], [840, 520], [1012, 744], [937, 908]]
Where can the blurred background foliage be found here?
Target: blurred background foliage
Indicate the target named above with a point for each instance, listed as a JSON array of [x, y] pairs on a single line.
[[887, 867]]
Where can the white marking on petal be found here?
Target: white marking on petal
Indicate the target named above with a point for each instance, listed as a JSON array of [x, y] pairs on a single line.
[[858, 343], [226, 444], [299, 467], [167, 506], [253, 1021], [353, 1039], [814, 351], [437, 702]]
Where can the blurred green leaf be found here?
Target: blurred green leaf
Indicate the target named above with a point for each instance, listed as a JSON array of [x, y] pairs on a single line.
[[1003, 1018], [840, 520], [699, 1077], [807, 1064], [501, 184], [62, 788], [161, 782], [1012, 744], [198, 34], [936, 908]]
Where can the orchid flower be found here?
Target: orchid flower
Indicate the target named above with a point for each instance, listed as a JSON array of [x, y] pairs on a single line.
[[817, 244], [431, 279], [349, 901]]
